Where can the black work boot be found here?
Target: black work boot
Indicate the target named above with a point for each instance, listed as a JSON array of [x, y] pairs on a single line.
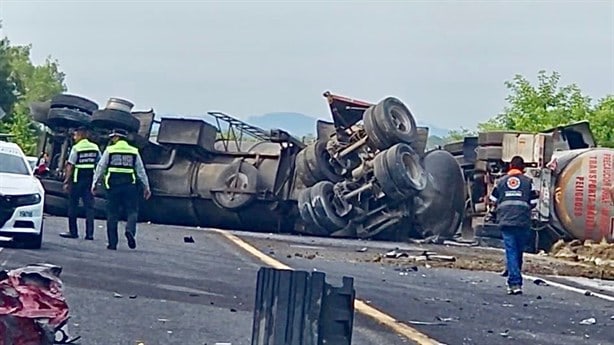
[[110, 247], [68, 235], [131, 240]]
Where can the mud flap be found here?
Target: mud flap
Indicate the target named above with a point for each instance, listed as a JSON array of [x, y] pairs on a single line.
[[300, 308]]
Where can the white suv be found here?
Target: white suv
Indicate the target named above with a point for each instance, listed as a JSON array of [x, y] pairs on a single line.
[[21, 198]]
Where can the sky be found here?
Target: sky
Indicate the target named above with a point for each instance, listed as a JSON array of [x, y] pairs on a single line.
[[447, 60]]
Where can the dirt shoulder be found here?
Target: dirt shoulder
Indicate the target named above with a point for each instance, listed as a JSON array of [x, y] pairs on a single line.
[[469, 258]]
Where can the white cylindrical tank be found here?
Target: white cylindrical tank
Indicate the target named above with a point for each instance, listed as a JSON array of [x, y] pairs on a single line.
[[581, 197]]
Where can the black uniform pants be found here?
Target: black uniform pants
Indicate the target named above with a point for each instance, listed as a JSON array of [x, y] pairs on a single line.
[[122, 197], [81, 190]]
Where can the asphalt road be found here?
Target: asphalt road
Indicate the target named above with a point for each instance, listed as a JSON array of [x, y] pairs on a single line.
[[165, 292], [453, 306]]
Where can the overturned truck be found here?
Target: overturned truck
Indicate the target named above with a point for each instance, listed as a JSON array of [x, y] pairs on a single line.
[[570, 171], [367, 174]]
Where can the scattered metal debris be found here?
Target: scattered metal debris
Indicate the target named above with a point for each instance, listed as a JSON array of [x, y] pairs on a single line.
[[427, 323], [117, 295], [424, 256], [362, 250], [188, 239]]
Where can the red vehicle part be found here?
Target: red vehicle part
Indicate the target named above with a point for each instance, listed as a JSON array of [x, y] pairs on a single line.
[[32, 306]]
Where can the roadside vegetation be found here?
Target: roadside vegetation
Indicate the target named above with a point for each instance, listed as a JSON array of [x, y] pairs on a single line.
[[22, 82], [529, 107], [546, 105]]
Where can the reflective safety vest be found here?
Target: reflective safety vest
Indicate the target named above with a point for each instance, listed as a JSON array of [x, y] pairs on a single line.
[[513, 200], [87, 157], [120, 168]]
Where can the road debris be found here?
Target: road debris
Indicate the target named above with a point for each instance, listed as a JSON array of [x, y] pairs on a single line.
[[589, 321], [427, 323], [117, 295], [33, 309], [505, 333], [540, 282], [424, 256], [599, 254], [188, 239], [362, 250]]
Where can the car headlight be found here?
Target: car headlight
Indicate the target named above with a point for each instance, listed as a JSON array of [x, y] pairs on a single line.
[[22, 200]]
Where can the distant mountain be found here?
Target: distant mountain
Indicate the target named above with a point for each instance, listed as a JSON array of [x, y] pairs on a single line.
[[294, 123], [300, 124]]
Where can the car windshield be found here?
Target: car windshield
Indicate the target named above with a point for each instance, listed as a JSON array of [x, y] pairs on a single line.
[[11, 164]]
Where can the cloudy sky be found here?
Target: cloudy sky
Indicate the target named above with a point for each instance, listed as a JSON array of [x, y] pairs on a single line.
[[447, 60]]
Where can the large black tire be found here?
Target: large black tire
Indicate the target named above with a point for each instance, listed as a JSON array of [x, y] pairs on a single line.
[[405, 169], [391, 122], [111, 119], [74, 102], [374, 133], [384, 180], [36, 241], [243, 178], [303, 172], [313, 164], [312, 226], [319, 159], [66, 118], [322, 195]]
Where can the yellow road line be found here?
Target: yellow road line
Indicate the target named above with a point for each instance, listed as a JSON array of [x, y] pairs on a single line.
[[359, 305]]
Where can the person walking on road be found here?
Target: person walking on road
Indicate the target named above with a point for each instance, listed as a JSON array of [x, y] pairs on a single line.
[[79, 174], [121, 166], [513, 196]]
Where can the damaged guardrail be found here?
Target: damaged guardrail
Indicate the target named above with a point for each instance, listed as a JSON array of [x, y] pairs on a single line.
[[299, 308], [33, 310]]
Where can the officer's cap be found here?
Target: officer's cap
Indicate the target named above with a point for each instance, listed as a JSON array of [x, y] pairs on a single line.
[[118, 132]]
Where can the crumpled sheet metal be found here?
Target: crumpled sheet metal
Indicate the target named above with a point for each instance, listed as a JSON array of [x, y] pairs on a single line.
[[32, 306]]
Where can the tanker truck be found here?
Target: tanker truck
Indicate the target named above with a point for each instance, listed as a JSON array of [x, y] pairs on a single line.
[[367, 174], [570, 172]]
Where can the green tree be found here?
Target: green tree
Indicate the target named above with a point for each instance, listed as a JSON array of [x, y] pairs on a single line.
[[546, 105], [31, 83], [8, 84]]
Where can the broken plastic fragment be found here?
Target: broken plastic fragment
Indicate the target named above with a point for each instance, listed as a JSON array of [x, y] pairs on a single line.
[[589, 321]]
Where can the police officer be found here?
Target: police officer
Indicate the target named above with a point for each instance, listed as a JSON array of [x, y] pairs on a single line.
[[513, 198], [121, 165], [79, 174]]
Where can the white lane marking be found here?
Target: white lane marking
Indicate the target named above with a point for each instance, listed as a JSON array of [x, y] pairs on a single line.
[[571, 288]]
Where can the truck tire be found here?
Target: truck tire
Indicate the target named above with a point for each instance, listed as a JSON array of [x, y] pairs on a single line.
[[455, 148], [384, 180], [490, 153], [246, 181], [375, 135], [302, 170], [319, 157], [391, 122], [111, 119], [321, 196], [312, 226], [405, 169], [73, 102], [66, 118]]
